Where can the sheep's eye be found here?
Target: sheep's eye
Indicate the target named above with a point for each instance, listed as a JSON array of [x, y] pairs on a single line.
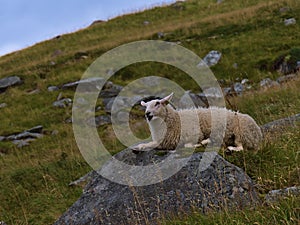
[[157, 103]]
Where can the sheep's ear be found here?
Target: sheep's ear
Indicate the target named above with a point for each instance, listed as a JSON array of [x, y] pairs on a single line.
[[143, 103], [166, 100]]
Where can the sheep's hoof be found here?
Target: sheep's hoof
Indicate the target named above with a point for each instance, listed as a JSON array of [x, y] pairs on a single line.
[[142, 148], [205, 142], [235, 149]]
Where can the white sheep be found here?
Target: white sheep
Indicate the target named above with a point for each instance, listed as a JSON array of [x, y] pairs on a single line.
[[170, 128]]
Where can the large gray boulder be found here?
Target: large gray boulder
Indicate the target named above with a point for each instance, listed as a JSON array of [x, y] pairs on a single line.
[[221, 185], [8, 82]]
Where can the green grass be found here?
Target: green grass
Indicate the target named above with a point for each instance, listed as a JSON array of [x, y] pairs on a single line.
[[34, 180], [286, 212]]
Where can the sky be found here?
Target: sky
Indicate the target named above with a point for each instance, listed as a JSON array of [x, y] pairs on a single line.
[[24, 23]]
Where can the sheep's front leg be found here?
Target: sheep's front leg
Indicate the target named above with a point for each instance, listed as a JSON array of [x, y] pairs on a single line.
[[146, 146], [203, 143]]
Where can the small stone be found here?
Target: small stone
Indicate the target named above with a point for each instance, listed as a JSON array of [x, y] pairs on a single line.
[[98, 108], [56, 53], [284, 9], [81, 101], [244, 81], [63, 103], [268, 83], [146, 22], [22, 143], [81, 55], [298, 65], [286, 78], [211, 59], [290, 21], [110, 72], [160, 35], [69, 120], [35, 91], [53, 88], [99, 120], [3, 105], [238, 88], [2, 138], [54, 132], [227, 91]]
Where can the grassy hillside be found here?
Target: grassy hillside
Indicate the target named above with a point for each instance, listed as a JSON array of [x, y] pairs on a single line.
[[250, 34]]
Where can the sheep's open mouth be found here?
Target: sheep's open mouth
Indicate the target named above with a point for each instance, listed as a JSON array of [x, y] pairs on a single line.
[[149, 116]]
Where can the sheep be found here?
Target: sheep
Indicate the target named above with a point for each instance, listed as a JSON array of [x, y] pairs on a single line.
[[171, 128]]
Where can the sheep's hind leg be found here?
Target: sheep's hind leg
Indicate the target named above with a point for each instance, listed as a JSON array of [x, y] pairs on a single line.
[[235, 149], [146, 146]]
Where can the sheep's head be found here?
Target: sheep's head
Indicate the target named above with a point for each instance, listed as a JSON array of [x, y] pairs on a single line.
[[156, 108]]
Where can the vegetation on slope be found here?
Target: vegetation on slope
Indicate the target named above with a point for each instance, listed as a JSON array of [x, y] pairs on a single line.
[[34, 180]]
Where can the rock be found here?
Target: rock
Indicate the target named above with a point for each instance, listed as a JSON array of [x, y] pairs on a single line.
[[288, 63], [2, 223], [3, 105], [8, 82], [54, 132], [284, 9], [81, 55], [286, 78], [56, 53], [111, 91], [268, 83], [23, 138], [290, 21], [63, 103], [276, 195], [178, 5], [244, 81], [99, 120], [23, 142], [69, 120], [87, 85], [37, 129], [23, 135], [198, 100], [160, 35], [146, 22], [211, 59], [2, 138], [221, 185], [84, 178], [298, 65], [278, 125], [235, 65], [238, 88], [227, 91], [53, 88]]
